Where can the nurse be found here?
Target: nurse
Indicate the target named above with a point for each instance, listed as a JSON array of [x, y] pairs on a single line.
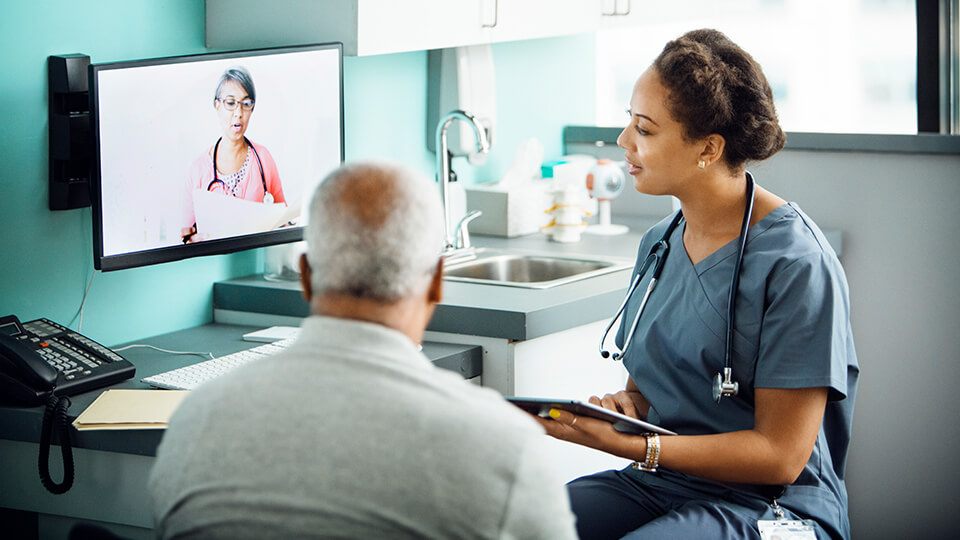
[[776, 449], [233, 165]]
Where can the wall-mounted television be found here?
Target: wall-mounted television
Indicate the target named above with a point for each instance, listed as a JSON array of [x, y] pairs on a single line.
[[211, 153]]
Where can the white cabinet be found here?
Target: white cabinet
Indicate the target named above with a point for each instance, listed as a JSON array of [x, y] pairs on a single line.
[[364, 27], [369, 27], [530, 19], [385, 26], [639, 13]]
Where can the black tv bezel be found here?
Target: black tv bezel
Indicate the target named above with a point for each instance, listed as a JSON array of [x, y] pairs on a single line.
[[180, 252]]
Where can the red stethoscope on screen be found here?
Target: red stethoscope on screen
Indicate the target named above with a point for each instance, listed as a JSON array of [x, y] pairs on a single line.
[[267, 196]]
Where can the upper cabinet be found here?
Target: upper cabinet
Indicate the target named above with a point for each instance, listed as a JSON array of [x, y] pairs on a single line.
[[368, 27]]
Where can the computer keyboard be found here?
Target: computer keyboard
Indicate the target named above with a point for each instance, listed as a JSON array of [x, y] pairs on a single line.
[[192, 376]]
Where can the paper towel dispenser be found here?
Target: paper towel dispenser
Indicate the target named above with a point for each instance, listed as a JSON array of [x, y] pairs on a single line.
[[461, 78]]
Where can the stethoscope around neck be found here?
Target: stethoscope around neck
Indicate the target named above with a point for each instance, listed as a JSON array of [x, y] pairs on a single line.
[[723, 384], [267, 196]]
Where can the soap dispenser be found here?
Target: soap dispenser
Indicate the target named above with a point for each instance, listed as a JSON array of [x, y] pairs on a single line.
[[457, 199]]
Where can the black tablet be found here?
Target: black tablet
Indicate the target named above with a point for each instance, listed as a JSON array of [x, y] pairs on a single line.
[[621, 422]]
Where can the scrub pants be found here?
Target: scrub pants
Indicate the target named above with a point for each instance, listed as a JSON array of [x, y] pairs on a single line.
[[637, 505]]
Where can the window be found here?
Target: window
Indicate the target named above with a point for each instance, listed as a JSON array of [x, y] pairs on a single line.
[[838, 66]]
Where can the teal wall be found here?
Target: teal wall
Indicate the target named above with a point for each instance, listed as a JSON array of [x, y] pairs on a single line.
[[47, 256]]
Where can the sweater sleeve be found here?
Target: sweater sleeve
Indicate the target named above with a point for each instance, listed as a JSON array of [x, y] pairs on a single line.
[[538, 505]]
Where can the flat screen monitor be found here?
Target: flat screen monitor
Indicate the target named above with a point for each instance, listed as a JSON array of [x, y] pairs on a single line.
[[212, 153]]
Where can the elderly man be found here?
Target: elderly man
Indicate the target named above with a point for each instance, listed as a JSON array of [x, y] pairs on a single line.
[[351, 432]]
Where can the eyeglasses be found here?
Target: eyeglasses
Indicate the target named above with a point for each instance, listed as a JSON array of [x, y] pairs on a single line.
[[231, 104]]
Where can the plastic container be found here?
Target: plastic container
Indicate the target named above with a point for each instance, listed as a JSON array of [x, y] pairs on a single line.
[[282, 263]]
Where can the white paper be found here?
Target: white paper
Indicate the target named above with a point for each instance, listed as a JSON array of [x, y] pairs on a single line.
[[274, 333], [525, 165], [222, 216]]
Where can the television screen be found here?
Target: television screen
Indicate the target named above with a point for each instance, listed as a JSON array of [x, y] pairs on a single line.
[[212, 153]]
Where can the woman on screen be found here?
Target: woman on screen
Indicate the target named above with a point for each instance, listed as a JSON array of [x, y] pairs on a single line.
[[233, 165]]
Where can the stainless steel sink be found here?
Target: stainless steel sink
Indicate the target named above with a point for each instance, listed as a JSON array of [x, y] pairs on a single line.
[[532, 271]]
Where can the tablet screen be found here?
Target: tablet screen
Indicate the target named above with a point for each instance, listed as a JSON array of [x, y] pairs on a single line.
[[621, 422]]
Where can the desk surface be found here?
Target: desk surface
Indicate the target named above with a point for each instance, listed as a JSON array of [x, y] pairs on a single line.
[[24, 423]]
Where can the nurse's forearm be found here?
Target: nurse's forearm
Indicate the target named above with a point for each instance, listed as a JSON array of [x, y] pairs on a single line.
[[774, 452], [743, 457]]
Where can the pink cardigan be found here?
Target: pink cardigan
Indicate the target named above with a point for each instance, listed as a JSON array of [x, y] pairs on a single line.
[[251, 187]]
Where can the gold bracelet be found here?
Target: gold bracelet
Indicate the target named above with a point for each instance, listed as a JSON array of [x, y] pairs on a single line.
[[652, 460]]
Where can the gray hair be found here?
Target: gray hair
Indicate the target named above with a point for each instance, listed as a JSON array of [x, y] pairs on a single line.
[[241, 76], [375, 231]]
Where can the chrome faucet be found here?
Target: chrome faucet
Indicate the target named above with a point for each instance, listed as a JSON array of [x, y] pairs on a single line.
[[455, 238]]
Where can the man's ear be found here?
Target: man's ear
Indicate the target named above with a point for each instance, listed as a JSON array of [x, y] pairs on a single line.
[[305, 283], [435, 292]]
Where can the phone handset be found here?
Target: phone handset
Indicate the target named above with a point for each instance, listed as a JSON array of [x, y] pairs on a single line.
[[25, 375], [25, 366]]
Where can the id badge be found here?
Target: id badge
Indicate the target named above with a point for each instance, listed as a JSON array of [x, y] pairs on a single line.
[[786, 529]]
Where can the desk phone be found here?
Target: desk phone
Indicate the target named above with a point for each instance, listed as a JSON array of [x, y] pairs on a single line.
[[41, 357]]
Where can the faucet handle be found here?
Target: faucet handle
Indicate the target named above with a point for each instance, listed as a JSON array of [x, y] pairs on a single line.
[[463, 235]]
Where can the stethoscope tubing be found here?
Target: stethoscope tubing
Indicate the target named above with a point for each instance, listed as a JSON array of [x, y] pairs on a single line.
[[636, 318], [633, 286], [735, 280], [724, 385], [215, 181], [659, 260]]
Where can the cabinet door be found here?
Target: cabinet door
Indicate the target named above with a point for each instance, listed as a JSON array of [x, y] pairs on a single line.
[[531, 19], [368, 27], [363, 26], [386, 26], [639, 13]]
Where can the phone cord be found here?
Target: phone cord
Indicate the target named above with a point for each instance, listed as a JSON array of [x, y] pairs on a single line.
[[56, 413]]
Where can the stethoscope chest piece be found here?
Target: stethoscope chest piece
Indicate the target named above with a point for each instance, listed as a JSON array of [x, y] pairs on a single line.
[[724, 385], [268, 198]]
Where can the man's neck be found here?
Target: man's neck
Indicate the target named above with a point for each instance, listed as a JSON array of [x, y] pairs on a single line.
[[405, 315]]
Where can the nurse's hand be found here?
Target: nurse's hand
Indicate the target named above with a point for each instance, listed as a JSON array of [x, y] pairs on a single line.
[[627, 402], [187, 233], [586, 431]]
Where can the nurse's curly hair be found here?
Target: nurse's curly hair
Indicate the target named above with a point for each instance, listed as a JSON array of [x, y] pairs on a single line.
[[714, 86]]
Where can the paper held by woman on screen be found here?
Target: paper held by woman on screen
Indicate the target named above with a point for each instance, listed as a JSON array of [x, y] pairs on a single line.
[[223, 217]]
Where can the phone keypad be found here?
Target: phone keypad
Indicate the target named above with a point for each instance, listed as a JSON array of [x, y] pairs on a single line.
[[67, 358], [96, 347], [42, 328]]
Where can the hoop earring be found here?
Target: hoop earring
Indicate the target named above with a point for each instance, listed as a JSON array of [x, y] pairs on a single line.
[[702, 164]]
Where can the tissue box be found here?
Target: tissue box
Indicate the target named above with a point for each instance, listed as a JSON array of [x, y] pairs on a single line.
[[510, 211]]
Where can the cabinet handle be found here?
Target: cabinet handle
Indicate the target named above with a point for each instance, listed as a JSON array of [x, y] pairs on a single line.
[[485, 13]]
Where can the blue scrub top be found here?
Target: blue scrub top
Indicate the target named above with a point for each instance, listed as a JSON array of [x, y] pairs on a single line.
[[792, 331]]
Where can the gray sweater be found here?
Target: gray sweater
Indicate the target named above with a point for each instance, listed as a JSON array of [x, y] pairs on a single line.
[[353, 433]]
